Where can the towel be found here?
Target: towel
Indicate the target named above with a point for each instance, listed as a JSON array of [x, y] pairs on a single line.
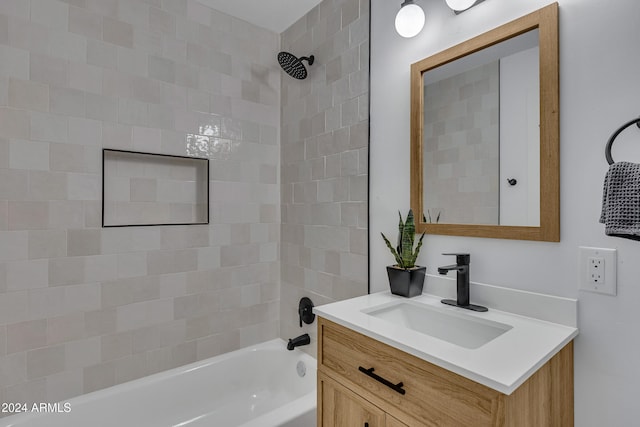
[[621, 201]]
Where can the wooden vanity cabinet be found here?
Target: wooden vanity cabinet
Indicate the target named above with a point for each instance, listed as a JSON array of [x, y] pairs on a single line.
[[352, 394]]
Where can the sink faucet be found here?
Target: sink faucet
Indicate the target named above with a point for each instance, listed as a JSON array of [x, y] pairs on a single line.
[[462, 272], [303, 339]]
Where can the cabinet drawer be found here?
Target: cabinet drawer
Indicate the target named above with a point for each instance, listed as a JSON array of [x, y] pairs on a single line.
[[432, 395]]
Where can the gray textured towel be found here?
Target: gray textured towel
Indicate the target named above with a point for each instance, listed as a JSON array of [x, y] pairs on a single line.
[[621, 201]]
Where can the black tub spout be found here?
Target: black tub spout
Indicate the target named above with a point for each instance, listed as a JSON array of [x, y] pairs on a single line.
[[303, 339]]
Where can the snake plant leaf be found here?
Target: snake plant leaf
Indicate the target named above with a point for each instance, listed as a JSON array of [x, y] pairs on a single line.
[[400, 231], [417, 251], [408, 235], [393, 251]]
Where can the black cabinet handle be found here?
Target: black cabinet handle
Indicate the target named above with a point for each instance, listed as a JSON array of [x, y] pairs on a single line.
[[366, 424], [395, 387]]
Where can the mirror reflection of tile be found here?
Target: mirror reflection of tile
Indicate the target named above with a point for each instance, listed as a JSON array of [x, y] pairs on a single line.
[[461, 141], [149, 189]]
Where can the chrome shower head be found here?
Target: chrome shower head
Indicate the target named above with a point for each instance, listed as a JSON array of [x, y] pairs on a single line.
[[293, 65]]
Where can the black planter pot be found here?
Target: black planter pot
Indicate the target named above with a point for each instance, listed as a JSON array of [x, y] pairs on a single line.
[[406, 283]]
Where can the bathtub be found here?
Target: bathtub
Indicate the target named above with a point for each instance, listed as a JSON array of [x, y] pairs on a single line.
[[260, 386]]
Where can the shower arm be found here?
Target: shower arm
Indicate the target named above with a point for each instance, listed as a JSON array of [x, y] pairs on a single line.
[[309, 59]]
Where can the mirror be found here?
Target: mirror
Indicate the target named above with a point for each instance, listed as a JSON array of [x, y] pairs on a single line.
[[485, 134], [481, 136]]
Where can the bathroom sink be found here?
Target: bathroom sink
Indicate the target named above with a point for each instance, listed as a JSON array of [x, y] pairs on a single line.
[[443, 323]]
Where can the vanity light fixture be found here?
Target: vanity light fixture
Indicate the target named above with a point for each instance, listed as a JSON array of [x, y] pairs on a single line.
[[410, 19], [459, 6]]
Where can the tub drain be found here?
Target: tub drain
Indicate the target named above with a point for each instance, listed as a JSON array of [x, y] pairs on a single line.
[[301, 368]]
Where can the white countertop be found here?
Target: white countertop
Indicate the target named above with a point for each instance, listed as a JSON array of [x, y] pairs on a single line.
[[502, 364]]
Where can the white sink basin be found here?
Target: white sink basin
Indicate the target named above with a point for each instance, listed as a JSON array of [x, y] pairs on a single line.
[[446, 324]]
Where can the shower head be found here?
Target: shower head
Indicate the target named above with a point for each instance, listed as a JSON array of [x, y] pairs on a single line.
[[294, 66]]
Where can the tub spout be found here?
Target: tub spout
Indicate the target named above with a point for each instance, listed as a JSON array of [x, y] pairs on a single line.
[[303, 339]]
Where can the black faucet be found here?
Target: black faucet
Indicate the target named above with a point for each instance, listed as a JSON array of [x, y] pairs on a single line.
[[298, 341], [462, 268]]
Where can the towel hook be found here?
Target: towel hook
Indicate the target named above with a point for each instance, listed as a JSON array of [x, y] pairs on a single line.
[[607, 150]]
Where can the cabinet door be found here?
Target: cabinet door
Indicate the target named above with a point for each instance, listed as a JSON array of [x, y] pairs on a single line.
[[392, 422], [340, 407]]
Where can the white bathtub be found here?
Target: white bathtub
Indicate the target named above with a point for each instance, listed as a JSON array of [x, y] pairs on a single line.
[[256, 386]]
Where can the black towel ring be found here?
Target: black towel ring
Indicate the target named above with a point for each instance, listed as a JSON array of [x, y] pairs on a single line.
[[607, 150]]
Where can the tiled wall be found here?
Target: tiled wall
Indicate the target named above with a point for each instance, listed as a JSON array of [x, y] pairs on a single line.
[[325, 130], [461, 143], [152, 189], [82, 307]]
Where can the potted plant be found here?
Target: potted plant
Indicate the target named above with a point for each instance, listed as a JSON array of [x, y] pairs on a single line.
[[405, 278]]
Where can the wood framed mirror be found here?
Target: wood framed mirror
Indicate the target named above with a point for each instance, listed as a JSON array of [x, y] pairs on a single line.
[[485, 134]]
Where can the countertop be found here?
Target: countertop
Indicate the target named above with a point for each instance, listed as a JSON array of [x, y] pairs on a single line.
[[502, 364]]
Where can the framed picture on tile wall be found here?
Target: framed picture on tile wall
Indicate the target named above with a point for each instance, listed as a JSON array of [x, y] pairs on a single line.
[[141, 189]]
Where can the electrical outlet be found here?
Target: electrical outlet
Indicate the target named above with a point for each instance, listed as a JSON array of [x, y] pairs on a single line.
[[595, 274], [597, 270]]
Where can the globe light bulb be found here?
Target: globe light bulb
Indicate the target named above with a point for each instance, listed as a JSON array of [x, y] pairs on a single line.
[[409, 20], [460, 5]]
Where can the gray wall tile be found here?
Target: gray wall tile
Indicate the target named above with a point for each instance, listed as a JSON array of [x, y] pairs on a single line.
[[323, 164], [81, 307]]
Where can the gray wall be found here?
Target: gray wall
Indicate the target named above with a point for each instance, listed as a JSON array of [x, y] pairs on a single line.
[[324, 141], [82, 307]]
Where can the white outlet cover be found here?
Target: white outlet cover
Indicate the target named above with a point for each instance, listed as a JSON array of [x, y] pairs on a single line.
[[608, 285]]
